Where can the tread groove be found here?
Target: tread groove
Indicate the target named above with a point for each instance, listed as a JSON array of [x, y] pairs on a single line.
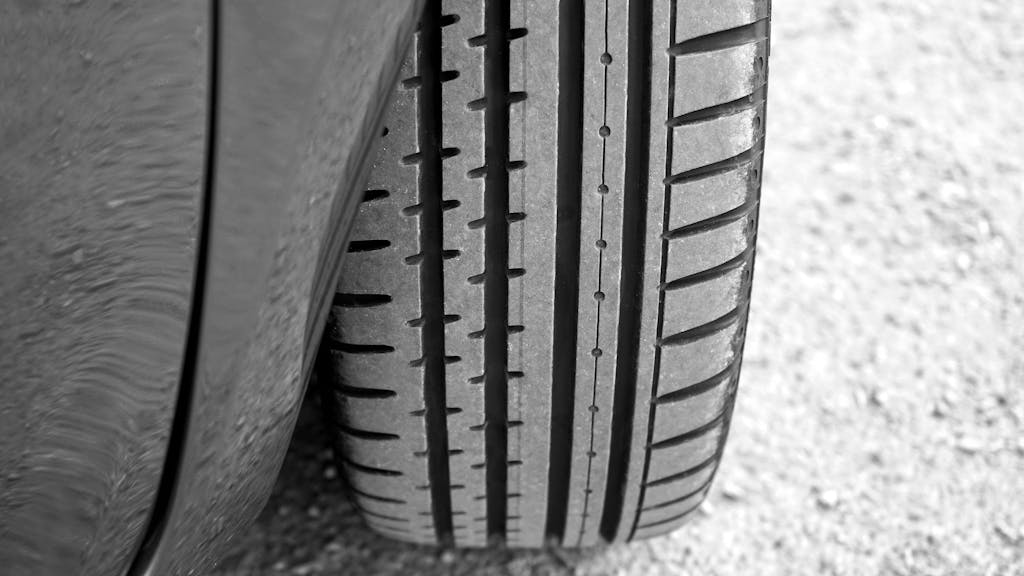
[[713, 273], [663, 268], [634, 227], [701, 387], [737, 106], [690, 434], [731, 38], [347, 300], [367, 245], [708, 224], [496, 258], [694, 334], [366, 434], [431, 202], [368, 469], [367, 393], [682, 498], [711, 461], [744, 158], [349, 348]]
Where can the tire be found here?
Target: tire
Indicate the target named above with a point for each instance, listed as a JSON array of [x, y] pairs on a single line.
[[538, 332]]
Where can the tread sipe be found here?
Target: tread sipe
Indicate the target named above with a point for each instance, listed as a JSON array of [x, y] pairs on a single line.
[[538, 332]]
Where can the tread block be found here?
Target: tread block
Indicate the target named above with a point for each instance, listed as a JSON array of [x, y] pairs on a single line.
[[725, 75], [699, 252], [679, 417], [691, 306], [373, 414], [717, 139], [386, 454], [673, 512], [683, 366], [673, 459], [704, 198], [662, 493]]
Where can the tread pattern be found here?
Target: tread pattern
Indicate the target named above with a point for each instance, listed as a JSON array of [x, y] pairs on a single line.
[[538, 332]]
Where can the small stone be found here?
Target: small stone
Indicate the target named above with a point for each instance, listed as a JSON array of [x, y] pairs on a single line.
[[828, 499], [77, 256], [447, 557], [706, 508], [115, 203], [732, 492], [330, 473], [606, 58], [970, 445], [964, 261], [313, 512], [280, 566]]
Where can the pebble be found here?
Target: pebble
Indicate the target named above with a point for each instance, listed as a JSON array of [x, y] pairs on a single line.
[[707, 508], [828, 499], [732, 492], [77, 256], [447, 557], [970, 445], [313, 512], [330, 473]]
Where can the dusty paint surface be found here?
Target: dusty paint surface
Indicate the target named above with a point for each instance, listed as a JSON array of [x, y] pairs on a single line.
[[102, 115]]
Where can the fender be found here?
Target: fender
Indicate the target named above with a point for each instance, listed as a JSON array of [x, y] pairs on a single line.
[[168, 252]]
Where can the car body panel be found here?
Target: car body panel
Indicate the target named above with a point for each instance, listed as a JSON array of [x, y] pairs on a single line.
[[177, 178], [301, 89], [102, 117]]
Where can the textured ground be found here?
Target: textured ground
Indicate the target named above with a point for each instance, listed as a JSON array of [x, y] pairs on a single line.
[[880, 424]]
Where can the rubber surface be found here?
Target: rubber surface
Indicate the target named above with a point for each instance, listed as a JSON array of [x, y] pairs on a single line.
[[538, 331]]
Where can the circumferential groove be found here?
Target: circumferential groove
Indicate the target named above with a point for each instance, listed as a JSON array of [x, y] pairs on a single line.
[[430, 259], [496, 253], [634, 229], [567, 263]]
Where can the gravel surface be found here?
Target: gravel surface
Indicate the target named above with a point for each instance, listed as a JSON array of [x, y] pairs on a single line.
[[879, 424]]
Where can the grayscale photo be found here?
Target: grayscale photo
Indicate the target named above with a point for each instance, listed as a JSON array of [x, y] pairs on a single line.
[[512, 287]]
